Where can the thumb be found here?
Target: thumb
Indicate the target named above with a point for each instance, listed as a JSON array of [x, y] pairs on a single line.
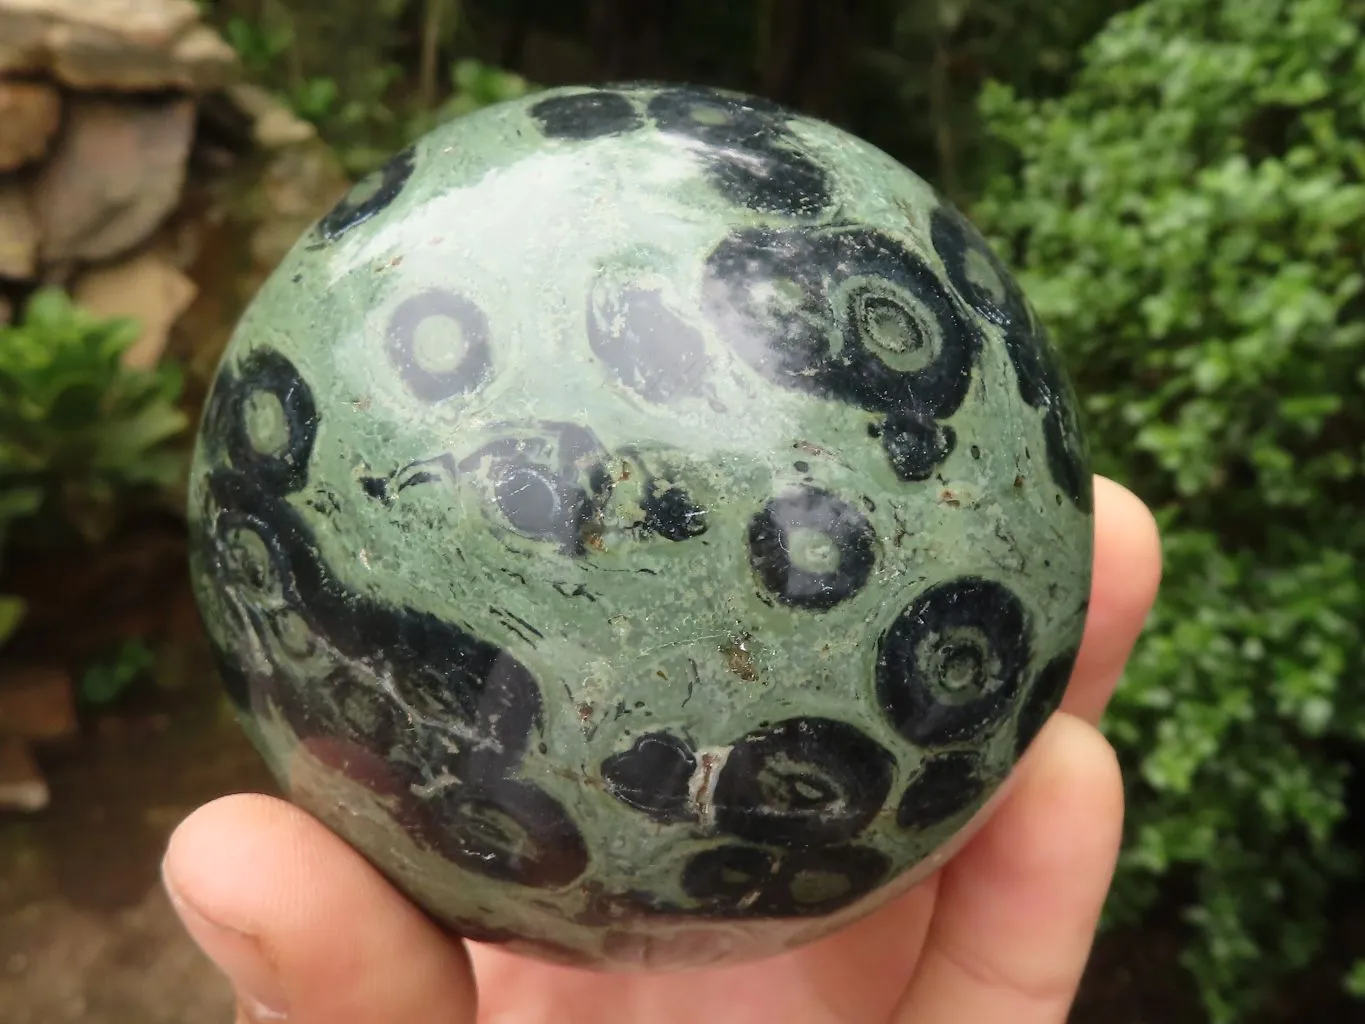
[[306, 930]]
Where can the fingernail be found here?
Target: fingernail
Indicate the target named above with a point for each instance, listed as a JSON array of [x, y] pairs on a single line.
[[239, 956]]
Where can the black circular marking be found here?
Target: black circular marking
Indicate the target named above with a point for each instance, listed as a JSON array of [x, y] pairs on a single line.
[[802, 781], [1067, 460], [264, 373], [586, 115], [549, 481], [370, 196], [772, 180], [647, 346], [653, 776], [506, 830], [751, 155], [747, 882], [542, 506], [478, 703], [1044, 699], [979, 275], [915, 446], [531, 500], [341, 706], [455, 311], [724, 877], [823, 880], [782, 299], [975, 270], [718, 117], [952, 661], [773, 532], [946, 785], [671, 513]]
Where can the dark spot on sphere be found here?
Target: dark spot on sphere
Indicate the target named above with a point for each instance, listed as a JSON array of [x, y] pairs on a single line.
[[745, 882], [946, 785], [916, 447], [481, 697], [798, 307], [507, 830], [718, 117], [1066, 459], [266, 385], [586, 115], [370, 196], [438, 341], [652, 776], [341, 706], [952, 661], [987, 285], [671, 513], [773, 180], [648, 347], [751, 155], [802, 781], [531, 501], [827, 520], [548, 483], [724, 877], [975, 270], [1044, 699], [542, 506]]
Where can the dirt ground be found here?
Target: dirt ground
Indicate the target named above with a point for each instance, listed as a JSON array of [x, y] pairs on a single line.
[[86, 933]]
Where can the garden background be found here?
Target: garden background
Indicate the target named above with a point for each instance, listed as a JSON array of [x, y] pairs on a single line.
[[1179, 183]]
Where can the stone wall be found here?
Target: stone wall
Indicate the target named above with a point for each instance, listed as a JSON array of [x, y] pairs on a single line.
[[103, 112], [120, 122]]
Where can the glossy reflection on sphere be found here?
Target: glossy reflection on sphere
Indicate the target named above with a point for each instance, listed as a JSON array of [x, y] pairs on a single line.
[[648, 524]]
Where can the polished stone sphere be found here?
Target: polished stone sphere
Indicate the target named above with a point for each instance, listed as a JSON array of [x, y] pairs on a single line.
[[646, 523]]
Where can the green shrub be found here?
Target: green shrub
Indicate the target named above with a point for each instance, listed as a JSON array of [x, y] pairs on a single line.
[[79, 431], [1190, 221]]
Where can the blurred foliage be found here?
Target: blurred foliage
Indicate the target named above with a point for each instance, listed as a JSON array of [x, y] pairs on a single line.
[[372, 75], [80, 430], [104, 682], [1190, 220]]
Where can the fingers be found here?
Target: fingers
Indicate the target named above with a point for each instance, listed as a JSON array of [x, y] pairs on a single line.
[[304, 927], [1018, 907], [1127, 574]]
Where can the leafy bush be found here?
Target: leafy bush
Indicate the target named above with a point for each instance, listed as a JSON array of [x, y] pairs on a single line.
[[1190, 220], [79, 430], [105, 681]]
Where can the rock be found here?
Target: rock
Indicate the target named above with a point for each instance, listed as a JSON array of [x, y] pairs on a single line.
[[274, 124], [29, 115], [22, 786], [123, 45], [148, 288], [18, 233], [114, 176], [37, 704]]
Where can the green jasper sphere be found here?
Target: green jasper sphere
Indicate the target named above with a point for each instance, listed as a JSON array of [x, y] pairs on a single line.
[[648, 524]]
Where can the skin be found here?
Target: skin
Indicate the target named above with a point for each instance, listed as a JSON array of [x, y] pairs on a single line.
[[308, 931]]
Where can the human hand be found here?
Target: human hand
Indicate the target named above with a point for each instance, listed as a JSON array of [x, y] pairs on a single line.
[[309, 932]]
